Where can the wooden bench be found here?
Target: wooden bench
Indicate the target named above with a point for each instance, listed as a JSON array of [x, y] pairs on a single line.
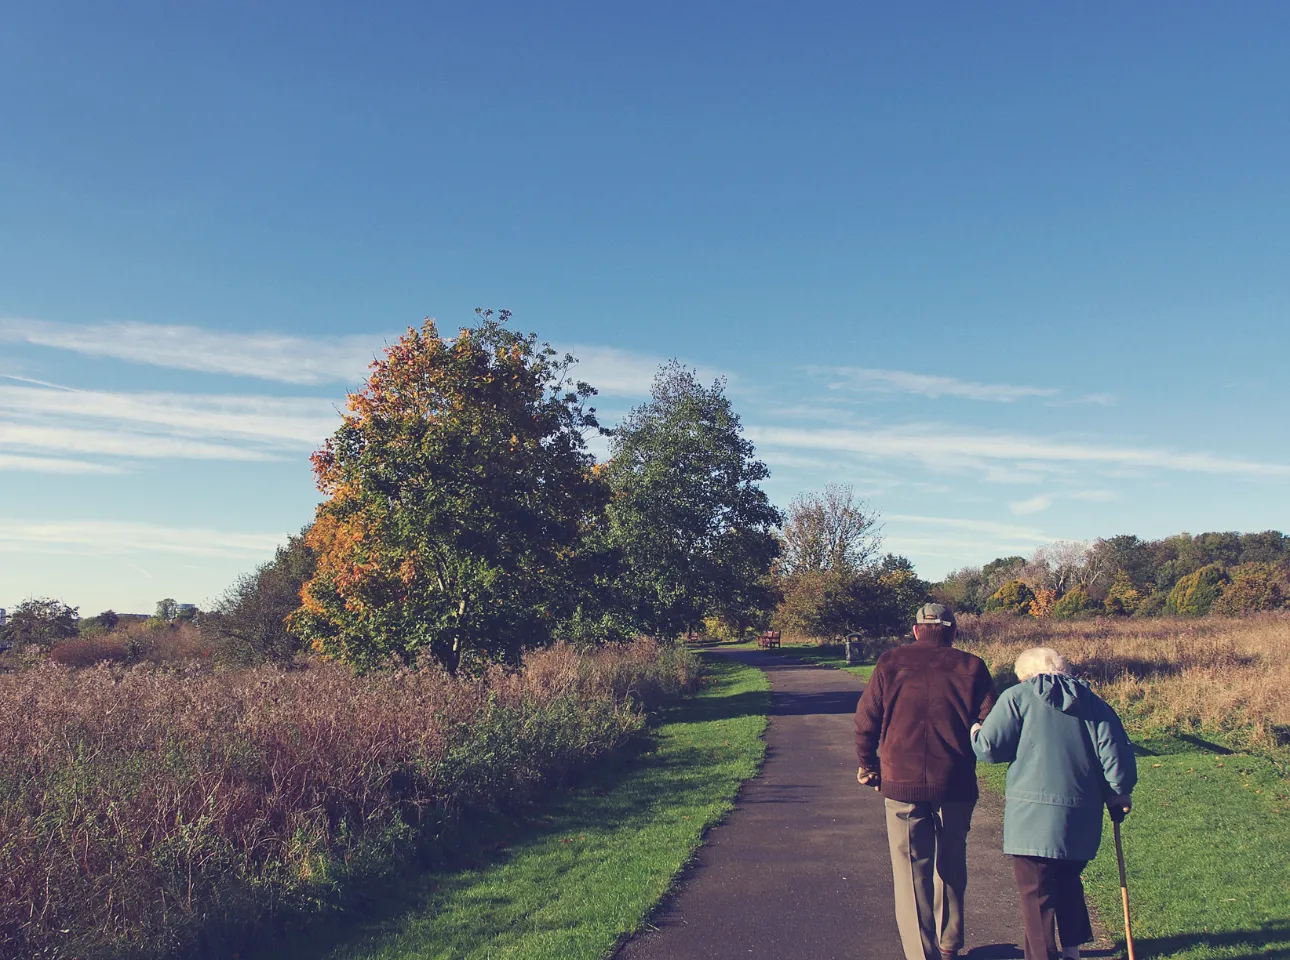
[[693, 637], [768, 639]]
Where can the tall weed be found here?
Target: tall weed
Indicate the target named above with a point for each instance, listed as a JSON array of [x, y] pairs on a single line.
[[150, 812], [1228, 675]]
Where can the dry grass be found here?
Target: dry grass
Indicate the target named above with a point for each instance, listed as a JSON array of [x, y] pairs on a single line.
[[148, 812], [1225, 675]]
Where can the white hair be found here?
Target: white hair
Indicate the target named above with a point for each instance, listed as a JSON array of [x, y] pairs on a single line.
[[1039, 660]]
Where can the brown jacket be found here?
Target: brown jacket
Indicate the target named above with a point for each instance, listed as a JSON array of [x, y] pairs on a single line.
[[916, 713]]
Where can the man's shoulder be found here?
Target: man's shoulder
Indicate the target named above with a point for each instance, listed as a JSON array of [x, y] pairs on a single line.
[[966, 661]]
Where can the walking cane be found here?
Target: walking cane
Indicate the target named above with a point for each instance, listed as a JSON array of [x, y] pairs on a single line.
[[1124, 889]]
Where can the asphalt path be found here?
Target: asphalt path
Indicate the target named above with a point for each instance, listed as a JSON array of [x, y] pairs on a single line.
[[800, 869]]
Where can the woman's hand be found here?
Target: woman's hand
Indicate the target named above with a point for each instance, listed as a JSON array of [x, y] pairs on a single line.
[[1119, 806]]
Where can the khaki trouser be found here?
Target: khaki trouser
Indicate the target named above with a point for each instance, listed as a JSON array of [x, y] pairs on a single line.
[[929, 870]]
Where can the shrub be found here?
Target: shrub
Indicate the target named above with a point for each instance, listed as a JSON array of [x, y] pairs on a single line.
[[145, 811], [1194, 594], [1122, 597], [1252, 588], [1013, 597], [87, 651], [1152, 605], [1074, 603]]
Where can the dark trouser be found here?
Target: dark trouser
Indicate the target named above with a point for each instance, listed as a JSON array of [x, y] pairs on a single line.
[[1052, 901]]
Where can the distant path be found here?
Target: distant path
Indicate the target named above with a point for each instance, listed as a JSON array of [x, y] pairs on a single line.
[[800, 871]]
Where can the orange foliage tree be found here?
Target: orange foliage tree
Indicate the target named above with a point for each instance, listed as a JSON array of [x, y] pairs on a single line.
[[459, 492]]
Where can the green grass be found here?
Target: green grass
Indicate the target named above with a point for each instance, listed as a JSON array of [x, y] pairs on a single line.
[[829, 656], [1208, 853], [590, 869]]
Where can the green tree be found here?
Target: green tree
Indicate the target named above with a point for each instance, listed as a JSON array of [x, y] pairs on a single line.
[[43, 622], [1269, 546], [1012, 597], [692, 525], [249, 622], [879, 600], [961, 590], [900, 593], [459, 495], [1194, 594]]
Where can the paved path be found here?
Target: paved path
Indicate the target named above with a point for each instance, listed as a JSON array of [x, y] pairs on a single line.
[[800, 870]]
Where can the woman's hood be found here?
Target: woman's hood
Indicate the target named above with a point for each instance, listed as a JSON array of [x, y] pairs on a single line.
[[1060, 691]]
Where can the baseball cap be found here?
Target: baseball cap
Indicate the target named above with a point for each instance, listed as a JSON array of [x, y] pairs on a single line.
[[935, 613]]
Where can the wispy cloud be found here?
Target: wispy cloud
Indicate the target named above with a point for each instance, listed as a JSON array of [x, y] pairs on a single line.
[[1035, 504], [991, 528], [283, 358], [924, 385], [616, 373], [113, 538], [958, 540], [939, 447], [625, 373], [1094, 496], [280, 420], [28, 437], [266, 356], [29, 464]]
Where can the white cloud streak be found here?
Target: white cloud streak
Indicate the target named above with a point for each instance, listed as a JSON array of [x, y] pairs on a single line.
[[939, 447], [623, 373], [120, 444], [302, 361], [280, 420], [116, 538], [27, 464], [266, 356], [991, 528], [1035, 504], [925, 385]]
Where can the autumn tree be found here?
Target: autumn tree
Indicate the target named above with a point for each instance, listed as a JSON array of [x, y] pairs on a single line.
[[459, 489], [829, 531], [692, 524]]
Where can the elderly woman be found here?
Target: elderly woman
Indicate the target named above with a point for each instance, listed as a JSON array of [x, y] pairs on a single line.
[[1070, 756]]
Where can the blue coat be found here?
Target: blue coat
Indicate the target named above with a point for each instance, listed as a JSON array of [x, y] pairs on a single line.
[[1069, 755]]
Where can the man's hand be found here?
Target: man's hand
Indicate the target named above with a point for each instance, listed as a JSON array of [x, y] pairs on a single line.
[[1119, 806], [868, 778], [975, 728]]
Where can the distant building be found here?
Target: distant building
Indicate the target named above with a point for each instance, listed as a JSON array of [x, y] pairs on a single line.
[[4, 618]]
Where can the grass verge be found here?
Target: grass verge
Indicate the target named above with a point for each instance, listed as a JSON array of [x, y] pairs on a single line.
[[590, 868], [1208, 854]]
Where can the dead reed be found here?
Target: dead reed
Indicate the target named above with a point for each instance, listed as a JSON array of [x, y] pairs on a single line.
[[1230, 675], [149, 812]]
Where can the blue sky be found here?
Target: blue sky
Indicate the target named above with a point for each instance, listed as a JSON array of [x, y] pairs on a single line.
[[1017, 272]]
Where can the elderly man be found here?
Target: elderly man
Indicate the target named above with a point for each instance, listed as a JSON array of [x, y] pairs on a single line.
[[1070, 756], [913, 743]]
